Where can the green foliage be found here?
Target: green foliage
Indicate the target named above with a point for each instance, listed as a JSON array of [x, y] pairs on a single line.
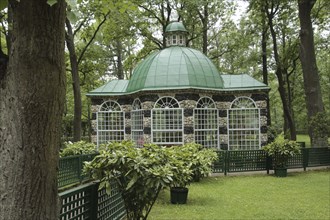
[[281, 150], [271, 133], [195, 158], [320, 125], [142, 173], [3, 4], [78, 148]]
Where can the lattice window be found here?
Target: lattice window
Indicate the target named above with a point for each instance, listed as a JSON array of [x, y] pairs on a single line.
[[137, 123], [206, 123], [110, 123], [181, 40], [174, 40], [243, 125], [167, 122]]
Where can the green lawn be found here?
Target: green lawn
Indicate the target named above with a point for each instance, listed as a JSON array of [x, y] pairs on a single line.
[[303, 195], [305, 138]]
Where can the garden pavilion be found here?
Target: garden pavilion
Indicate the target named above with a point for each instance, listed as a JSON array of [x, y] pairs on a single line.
[[176, 96]]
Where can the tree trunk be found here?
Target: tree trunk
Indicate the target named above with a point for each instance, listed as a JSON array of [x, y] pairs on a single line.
[[312, 86], [280, 72], [204, 17], [264, 63], [32, 95], [75, 83], [120, 69]]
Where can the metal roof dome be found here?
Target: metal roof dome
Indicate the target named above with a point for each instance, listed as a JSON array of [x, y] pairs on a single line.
[[175, 68], [175, 26]]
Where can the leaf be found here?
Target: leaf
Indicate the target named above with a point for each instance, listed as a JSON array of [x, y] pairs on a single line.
[[131, 183], [72, 3], [3, 4], [51, 2], [72, 16]]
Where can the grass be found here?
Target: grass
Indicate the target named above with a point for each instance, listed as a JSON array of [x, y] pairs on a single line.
[[304, 138], [298, 196]]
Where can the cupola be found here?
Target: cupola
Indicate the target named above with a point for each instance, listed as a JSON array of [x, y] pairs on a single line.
[[176, 34]]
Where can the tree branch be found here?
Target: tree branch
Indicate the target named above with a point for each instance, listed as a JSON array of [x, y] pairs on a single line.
[[93, 37]]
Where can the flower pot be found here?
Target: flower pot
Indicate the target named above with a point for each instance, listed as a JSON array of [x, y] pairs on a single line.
[[281, 172], [179, 195]]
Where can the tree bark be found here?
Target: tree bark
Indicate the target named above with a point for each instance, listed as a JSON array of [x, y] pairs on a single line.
[[120, 68], [312, 86], [75, 83], [32, 95], [264, 62], [280, 72], [204, 17]]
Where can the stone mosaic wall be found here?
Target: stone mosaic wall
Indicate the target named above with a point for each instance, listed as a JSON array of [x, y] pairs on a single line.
[[188, 102]]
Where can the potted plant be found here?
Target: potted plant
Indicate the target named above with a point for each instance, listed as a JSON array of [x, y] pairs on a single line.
[[281, 150], [190, 163]]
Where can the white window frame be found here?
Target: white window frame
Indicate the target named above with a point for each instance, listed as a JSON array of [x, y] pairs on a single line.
[[172, 123], [174, 39], [137, 119], [206, 109], [105, 129], [181, 39], [243, 109]]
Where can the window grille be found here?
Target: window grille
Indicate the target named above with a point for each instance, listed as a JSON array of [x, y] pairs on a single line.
[[181, 41], [206, 123], [110, 123], [174, 39], [167, 122], [169, 40], [244, 125], [137, 123]]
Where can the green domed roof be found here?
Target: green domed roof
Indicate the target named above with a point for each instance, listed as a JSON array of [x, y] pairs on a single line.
[[175, 26], [175, 68]]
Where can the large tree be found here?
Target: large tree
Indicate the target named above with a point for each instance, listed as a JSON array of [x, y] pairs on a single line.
[[308, 62], [32, 92]]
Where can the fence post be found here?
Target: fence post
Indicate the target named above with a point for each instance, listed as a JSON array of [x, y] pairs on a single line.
[[80, 168], [94, 200], [226, 161], [268, 163], [305, 152]]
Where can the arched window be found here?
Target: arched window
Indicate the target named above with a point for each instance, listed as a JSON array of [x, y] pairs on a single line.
[[243, 125], [110, 123], [167, 122], [206, 123], [137, 123]]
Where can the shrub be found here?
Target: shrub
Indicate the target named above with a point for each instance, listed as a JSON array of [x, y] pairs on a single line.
[[141, 173], [281, 150], [78, 148]]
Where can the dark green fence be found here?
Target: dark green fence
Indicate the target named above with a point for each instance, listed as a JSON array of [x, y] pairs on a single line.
[[86, 201], [89, 203], [70, 169], [257, 160]]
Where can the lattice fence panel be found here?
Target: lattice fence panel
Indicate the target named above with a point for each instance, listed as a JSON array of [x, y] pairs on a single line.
[[296, 161], [219, 164], [252, 160], [318, 156], [110, 206], [76, 204], [69, 172]]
